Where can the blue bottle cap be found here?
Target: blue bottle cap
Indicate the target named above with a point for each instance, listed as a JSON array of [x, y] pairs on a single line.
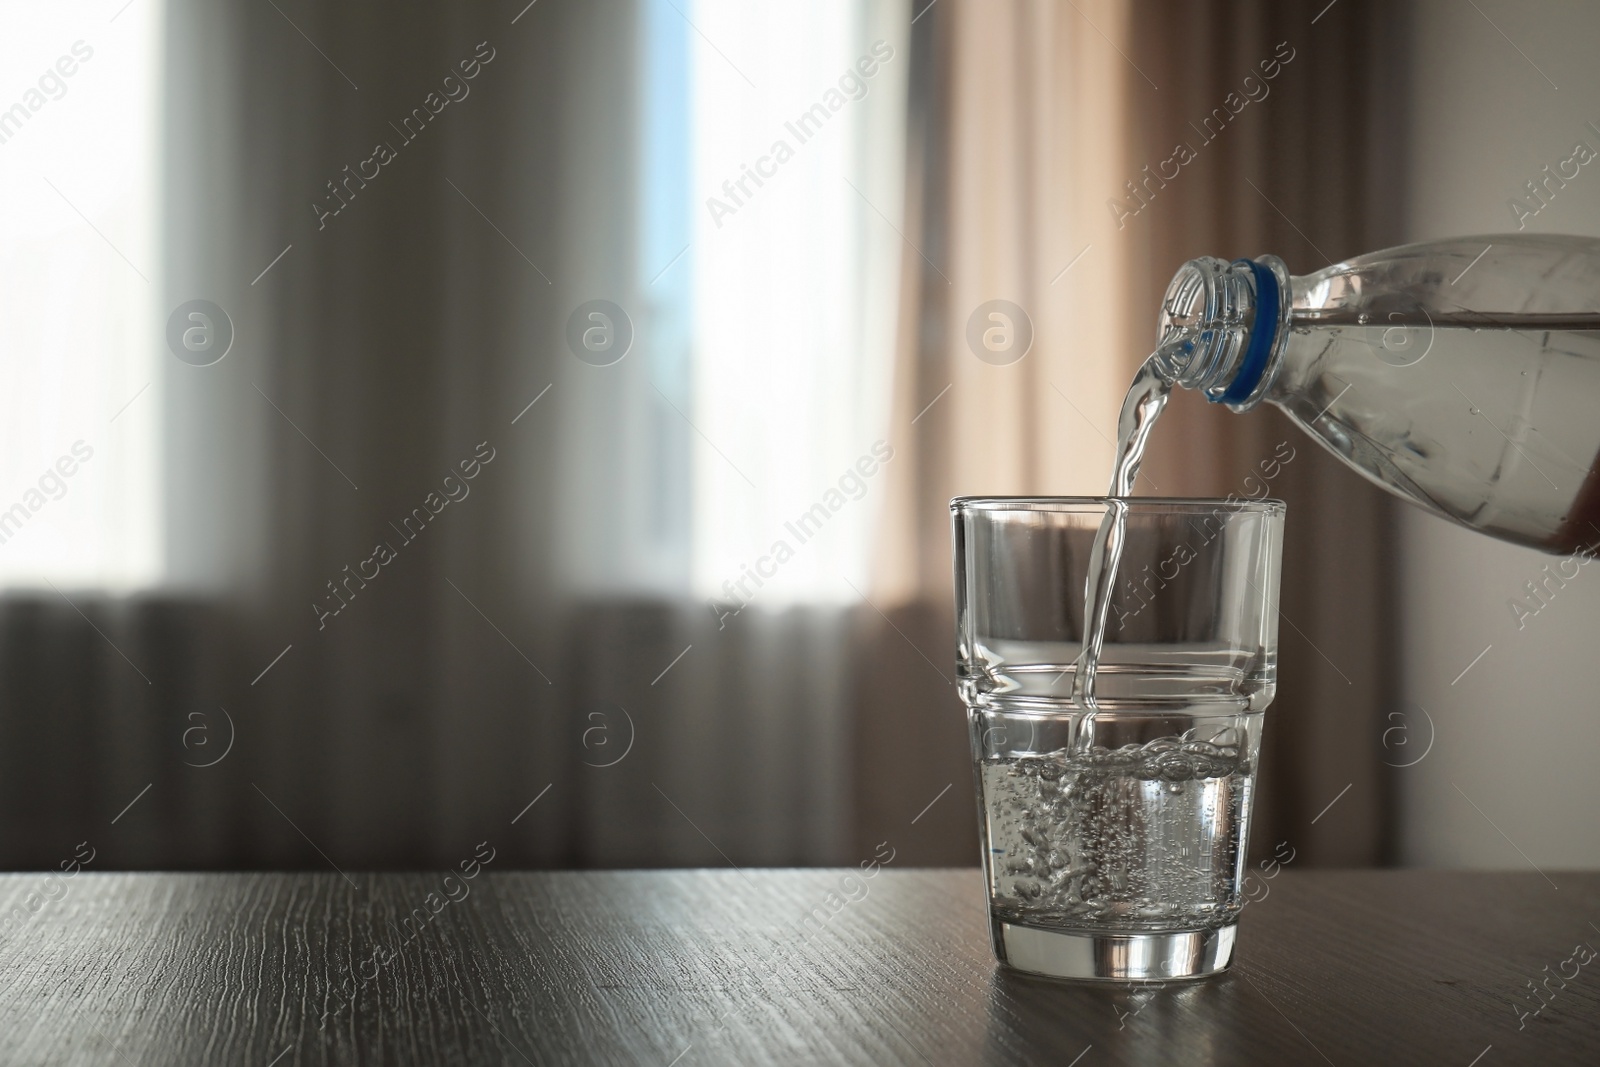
[[1263, 332]]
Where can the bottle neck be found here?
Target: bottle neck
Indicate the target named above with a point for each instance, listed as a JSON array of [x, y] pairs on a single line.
[[1224, 326]]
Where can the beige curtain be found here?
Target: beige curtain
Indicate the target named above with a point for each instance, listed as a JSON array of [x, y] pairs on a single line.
[[1032, 108], [1016, 129], [1028, 117]]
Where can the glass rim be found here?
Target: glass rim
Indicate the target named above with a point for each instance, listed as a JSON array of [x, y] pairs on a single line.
[[1136, 505]]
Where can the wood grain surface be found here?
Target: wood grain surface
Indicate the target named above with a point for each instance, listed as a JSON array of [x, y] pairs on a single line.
[[684, 968]]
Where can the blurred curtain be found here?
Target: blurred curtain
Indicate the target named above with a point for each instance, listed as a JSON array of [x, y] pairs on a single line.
[[542, 624], [1310, 176], [1019, 134], [1030, 120], [399, 323], [540, 633], [1015, 130]]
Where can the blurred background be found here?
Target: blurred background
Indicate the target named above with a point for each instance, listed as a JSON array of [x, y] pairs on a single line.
[[535, 421]]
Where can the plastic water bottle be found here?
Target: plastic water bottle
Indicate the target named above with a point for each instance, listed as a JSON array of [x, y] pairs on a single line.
[[1461, 375]]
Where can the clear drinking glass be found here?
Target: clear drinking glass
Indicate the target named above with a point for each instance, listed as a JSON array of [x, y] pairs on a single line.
[[1114, 835]]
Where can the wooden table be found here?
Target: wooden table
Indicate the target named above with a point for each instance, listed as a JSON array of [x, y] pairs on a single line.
[[683, 968]]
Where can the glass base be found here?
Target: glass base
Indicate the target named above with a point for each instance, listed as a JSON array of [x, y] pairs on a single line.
[[1113, 957]]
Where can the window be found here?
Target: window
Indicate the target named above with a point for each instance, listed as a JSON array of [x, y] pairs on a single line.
[[797, 117], [80, 278]]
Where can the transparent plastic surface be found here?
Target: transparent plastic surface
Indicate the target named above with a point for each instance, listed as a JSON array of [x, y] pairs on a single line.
[[1463, 375], [1116, 831]]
